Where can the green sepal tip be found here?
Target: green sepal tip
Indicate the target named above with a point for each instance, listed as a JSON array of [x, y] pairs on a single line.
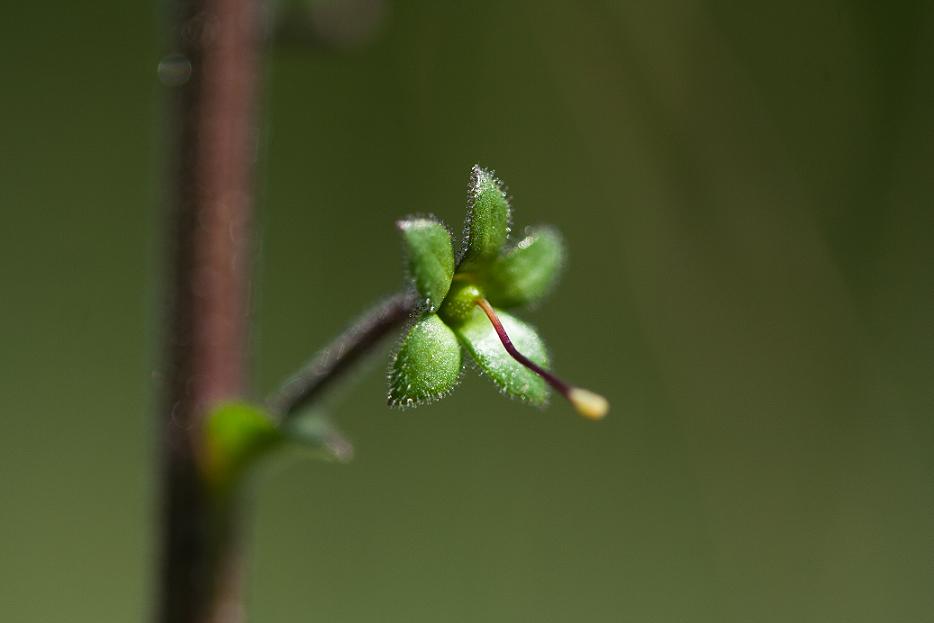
[[487, 226], [527, 271], [430, 257]]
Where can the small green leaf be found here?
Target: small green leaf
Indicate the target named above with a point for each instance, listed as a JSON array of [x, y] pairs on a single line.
[[481, 341], [431, 257], [487, 226], [235, 435], [427, 365], [316, 436], [527, 271]]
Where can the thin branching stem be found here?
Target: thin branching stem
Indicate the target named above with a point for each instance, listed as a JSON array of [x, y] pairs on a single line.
[[320, 372]]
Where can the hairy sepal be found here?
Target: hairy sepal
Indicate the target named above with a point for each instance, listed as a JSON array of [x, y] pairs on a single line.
[[427, 365], [528, 271], [488, 217], [430, 255], [480, 340]]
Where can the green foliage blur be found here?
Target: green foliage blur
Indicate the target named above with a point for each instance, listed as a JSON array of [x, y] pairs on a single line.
[[745, 191]]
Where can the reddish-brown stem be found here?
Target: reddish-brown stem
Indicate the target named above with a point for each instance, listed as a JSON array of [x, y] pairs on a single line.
[[588, 404], [207, 337], [560, 386]]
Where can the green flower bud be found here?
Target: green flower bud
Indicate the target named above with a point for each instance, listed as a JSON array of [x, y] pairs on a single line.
[[510, 352], [460, 303]]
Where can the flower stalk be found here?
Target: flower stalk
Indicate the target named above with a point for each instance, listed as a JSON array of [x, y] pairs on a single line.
[[589, 404]]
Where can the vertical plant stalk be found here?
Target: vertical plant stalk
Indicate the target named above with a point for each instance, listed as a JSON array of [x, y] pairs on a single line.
[[208, 309]]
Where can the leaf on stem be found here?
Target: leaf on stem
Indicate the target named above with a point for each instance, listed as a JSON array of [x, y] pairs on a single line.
[[236, 434], [317, 437]]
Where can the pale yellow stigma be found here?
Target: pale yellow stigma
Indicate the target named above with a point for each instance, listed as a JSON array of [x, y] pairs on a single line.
[[590, 405]]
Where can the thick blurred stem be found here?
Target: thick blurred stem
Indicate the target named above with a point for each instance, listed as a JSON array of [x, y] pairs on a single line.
[[208, 282]]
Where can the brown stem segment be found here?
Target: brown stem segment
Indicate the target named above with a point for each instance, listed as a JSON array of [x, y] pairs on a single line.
[[207, 337], [560, 386], [341, 354], [587, 403]]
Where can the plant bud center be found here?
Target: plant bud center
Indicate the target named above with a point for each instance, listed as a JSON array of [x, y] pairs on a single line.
[[460, 303]]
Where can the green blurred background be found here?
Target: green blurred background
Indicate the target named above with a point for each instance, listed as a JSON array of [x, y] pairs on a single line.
[[746, 190]]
